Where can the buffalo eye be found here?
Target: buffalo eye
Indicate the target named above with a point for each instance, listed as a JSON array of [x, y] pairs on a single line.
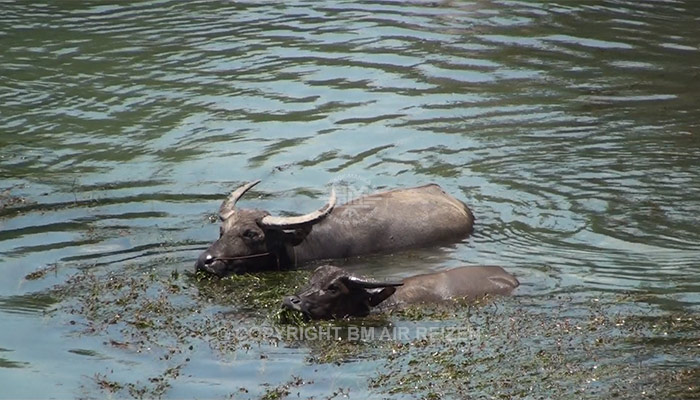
[[333, 288], [250, 234]]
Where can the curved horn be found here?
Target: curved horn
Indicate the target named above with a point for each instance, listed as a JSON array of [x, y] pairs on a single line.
[[370, 284], [302, 220], [228, 207]]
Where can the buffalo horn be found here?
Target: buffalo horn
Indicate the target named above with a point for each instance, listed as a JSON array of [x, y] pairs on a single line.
[[228, 207], [301, 220], [372, 285]]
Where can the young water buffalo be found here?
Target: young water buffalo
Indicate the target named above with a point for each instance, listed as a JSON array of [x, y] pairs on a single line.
[[253, 240], [334, 293]]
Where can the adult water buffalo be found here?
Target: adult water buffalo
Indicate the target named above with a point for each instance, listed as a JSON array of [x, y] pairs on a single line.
[[253, 240], [334, 293]]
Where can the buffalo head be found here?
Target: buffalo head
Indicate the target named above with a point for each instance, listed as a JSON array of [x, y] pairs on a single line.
[[251, 240], [333, 293]]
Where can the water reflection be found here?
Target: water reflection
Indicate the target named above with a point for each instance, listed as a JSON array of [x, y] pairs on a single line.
[[570, 129]]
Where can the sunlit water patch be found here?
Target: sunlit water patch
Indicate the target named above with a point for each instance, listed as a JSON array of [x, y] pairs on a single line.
[[569, 129]]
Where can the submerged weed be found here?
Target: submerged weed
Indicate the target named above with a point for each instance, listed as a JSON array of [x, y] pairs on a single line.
[[41, 272], [506, 347]]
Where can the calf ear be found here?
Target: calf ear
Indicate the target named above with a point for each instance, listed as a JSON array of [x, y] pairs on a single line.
[[377, 291], [377, 296]]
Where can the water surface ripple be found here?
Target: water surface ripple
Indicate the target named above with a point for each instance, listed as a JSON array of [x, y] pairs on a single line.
[[570, 129]]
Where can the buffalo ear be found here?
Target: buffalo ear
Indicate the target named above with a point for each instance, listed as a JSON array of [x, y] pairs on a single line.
[[293, 238], [379, 296], [378, 291]]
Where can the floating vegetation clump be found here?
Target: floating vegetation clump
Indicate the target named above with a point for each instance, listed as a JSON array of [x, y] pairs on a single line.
[[519, 347], [510, 352], [41, 272], [9, 200], [259, 293], [167, 315]]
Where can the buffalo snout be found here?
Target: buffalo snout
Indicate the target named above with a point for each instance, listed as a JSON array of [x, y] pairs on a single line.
[[292, 302], [210, 264], [295, 303]]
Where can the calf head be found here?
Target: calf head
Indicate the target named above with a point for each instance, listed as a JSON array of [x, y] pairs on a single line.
[[333, 293], [251, 240]]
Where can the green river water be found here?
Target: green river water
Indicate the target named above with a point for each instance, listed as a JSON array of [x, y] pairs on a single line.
[[571, 129]]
